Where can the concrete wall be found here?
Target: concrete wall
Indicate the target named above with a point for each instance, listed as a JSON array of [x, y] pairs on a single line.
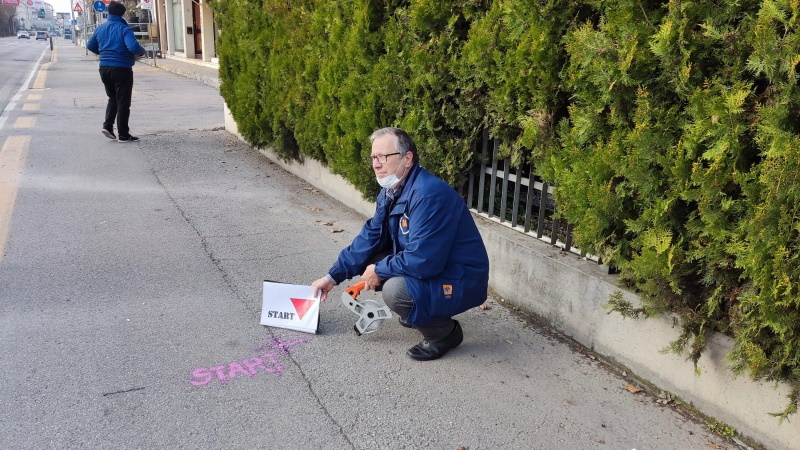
[[569, 293]]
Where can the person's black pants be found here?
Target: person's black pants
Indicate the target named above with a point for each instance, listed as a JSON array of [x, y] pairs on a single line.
[[119, 86]]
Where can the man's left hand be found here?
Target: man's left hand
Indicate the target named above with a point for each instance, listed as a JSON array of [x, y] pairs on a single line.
[[370, 278]]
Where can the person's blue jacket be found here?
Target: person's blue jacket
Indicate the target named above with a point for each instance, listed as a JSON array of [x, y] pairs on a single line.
[[432, 241], [115, 42]]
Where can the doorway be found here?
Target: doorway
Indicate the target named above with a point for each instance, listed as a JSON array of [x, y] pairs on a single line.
[[198, 38]]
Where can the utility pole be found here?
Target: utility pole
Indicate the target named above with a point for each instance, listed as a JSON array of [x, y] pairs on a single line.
[[72, 19], [83, 31]]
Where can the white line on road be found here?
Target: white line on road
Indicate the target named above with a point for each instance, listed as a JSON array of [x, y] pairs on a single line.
[[13, 103]]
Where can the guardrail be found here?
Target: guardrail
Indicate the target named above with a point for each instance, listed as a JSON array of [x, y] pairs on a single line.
[[148, 39]]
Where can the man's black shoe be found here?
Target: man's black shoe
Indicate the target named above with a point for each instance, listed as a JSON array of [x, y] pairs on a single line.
[[109, 134], [430, 350], [404, 323], [128, 139]]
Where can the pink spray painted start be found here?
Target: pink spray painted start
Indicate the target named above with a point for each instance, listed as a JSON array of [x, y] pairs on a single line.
[[264, 362]]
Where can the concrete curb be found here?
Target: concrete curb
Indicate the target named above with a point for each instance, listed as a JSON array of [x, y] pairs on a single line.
[[569, 293], [181, 69]]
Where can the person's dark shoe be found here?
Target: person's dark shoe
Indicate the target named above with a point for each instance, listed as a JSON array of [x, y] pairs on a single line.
[[430, 350], [404, 323], [128, 139], [109, 134]]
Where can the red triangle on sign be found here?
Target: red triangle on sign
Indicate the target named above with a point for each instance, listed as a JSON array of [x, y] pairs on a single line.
[[302, 305]]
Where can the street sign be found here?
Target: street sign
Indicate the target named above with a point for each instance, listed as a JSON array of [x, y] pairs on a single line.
[[77, 8], [147, 4], [99, 6], [107, 1]]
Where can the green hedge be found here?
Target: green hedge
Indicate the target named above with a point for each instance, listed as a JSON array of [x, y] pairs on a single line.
[[672, 130]]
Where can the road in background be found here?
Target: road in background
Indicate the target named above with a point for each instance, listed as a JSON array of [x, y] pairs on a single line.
[[17, 57], [130, 298]]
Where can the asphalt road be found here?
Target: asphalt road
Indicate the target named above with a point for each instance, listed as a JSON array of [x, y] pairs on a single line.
[[126, 268], [17, 58]]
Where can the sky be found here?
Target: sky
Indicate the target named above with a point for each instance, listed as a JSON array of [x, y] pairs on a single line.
[[60, 5]]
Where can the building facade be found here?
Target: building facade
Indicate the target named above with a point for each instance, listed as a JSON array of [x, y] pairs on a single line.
[[186, 29], [27, 16]]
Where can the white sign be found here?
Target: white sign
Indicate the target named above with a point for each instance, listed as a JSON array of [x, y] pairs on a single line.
[[146, 4], [290, 306]]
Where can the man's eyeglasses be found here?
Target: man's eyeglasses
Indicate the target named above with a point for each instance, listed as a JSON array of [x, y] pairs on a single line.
[[380, 158]]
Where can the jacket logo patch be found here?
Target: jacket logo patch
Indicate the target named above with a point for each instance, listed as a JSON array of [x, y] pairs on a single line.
[[404, 224], [447, 289]]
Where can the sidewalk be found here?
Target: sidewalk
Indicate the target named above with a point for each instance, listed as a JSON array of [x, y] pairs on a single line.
[[579, 314], [131, 305]]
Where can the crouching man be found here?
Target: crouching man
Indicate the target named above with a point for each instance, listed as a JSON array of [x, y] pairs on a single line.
[[421, 248]]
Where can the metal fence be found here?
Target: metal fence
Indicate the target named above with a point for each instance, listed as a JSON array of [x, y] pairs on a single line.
[[516, 197], [146, 34]]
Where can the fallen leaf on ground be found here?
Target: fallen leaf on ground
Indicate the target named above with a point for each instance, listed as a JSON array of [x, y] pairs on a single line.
[[632, 389], [336, 230], [509, 341], [486, 306], [327, 223]]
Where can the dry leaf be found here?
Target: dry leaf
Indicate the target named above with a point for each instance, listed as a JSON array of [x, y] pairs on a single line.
[[486, 306], [632, 389], [509, 341], [314, 209], [569, 402], [336, 230], [327, 223]]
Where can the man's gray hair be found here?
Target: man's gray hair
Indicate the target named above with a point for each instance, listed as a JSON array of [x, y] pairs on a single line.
[[403, 143]]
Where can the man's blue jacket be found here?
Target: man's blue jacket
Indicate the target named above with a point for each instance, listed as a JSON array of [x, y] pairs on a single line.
[[115, 42], [432, 241]]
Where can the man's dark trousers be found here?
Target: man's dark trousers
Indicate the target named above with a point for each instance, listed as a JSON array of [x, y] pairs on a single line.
[[119, 86]]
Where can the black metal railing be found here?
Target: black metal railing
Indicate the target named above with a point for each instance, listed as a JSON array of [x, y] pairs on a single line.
[[516, 197]]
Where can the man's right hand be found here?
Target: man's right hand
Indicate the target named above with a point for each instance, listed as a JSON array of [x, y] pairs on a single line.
[[323, 286]]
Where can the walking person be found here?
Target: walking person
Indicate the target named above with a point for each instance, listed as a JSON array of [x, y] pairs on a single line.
[[116, 44], [421, 248]]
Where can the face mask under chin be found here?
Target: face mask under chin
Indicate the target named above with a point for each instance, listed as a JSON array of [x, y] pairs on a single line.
[[390, 181]]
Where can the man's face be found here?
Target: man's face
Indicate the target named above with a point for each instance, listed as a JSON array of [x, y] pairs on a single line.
[[385, 145]]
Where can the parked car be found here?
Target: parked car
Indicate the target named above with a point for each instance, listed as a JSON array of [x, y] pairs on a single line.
[[42, 35], [22, 34]]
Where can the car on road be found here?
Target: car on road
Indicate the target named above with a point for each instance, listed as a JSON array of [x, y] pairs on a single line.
[[22, 34], [41, 35]]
